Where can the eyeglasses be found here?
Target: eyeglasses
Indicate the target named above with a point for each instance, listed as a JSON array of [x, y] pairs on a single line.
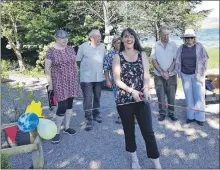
[[187, 38]]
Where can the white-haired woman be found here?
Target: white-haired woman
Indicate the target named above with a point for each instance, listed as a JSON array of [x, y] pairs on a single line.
[[191, 65]]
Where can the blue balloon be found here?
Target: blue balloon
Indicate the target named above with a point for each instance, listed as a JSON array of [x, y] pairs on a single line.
[[28, 122]]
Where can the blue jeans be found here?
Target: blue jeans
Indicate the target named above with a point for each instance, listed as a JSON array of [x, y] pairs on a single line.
[[195, 96]]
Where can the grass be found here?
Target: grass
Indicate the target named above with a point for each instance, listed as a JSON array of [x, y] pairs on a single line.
[[213, 63]]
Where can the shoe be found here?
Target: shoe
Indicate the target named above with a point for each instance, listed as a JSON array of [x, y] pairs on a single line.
[[161, 117], [173, 118], [56, 139], [190, 120], [88, 126], [118, 121], [200, 123], [97, 118], [135, 165], [69, 131]]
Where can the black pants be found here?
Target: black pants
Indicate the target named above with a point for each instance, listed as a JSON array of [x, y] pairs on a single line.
[[142, 113], [64, 105], [168, 88], [91, 98]]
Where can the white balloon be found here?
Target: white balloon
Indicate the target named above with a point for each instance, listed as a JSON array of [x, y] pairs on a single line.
[[46, 129]]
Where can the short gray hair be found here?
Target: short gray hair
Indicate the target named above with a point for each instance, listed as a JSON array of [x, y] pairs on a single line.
[[164, 27], [61, 34], [92, 32]]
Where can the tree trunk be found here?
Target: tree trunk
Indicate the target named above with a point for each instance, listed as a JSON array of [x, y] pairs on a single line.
[[18, 55], [107, 25]]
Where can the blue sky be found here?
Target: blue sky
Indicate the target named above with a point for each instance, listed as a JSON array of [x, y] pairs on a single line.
[[210, 5]]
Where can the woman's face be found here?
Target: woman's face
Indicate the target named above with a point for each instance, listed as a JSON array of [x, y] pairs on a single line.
[[62, 41], [117, 45], [128, 40], [190, 40]]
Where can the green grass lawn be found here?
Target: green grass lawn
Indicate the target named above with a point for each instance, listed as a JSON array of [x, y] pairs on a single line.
[[213, 63]]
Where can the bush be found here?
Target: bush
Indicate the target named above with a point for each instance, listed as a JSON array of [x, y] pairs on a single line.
[[4, 70], [42, 54], [4, 162], [148, 51]]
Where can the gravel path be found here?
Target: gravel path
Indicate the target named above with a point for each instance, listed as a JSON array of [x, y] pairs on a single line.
[[181, 145]]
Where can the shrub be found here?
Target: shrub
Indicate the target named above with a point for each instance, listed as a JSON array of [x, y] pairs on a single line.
[[4, 162], [4, 70], [148, 51], [42, 54]]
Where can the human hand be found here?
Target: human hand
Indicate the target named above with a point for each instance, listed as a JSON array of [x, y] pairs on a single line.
[[147, 94], [108, 84], [50, 87], [136, 95], [166, 75]]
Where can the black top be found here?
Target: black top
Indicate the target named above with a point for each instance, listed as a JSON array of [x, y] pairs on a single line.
[[132, 74], [188, 60]]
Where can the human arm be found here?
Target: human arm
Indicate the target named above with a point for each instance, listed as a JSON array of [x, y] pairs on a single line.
[[48, 64], [116, 68], [154, 61], [79, 56], [106, 67]]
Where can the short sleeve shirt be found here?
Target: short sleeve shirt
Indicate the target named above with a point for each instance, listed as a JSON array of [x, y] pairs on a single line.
[[164, 55], [91, 62]]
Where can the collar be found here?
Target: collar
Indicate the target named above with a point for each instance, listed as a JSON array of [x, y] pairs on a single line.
[[162, 43]]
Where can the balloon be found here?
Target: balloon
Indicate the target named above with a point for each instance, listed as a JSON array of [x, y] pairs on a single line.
[[46, 129], [36, 108], [28, 122]]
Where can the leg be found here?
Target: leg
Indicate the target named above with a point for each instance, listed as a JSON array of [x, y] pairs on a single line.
[[87, 99], [171, 93], [62, 107], [159, 85], [68, 116], [143, 115], [126, 113], [188, 90], [199, 95], [97, 88]]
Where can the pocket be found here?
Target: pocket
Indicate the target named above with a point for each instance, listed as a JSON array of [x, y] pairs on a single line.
[[172, 80], [158, 80]]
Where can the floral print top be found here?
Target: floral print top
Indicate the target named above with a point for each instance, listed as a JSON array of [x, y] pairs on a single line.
[[132, 74]]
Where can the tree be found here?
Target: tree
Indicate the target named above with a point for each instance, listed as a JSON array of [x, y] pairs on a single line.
[[103, 11], [149, 16], [13, 17]]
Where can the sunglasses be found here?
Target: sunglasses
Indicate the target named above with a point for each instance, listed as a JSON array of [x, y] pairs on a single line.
[[187, 38]]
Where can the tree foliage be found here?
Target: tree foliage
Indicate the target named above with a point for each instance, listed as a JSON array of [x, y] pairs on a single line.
[[31, 25]]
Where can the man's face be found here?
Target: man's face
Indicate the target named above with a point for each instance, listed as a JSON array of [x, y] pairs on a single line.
[[96, 37], [164, 36]]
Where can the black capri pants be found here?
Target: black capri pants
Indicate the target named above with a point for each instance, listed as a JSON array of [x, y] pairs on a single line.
[[142, 113], [64, 105]]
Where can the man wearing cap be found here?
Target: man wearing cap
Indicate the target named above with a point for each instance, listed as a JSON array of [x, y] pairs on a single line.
[[163, 56], [116, 41], [90, 58]]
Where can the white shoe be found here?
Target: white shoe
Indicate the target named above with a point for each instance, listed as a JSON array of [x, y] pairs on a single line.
[[135, 165]]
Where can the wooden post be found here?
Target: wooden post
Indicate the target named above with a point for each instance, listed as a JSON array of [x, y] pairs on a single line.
[[37, 156]]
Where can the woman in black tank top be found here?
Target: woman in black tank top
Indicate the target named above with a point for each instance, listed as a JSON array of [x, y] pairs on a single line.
[[131, 76]]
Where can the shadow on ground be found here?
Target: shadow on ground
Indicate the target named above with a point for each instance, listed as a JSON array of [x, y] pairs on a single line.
[[181, 145]]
